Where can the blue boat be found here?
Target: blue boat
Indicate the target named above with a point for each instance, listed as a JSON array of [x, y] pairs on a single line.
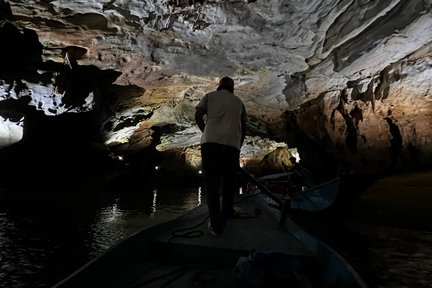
[[299, 196], [316, 198]]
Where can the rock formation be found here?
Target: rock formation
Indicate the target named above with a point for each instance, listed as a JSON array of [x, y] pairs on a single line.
[[346, 83]]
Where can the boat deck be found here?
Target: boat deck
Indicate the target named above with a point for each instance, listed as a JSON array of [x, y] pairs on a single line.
[[256, 231], [193, 257], [254, 249]]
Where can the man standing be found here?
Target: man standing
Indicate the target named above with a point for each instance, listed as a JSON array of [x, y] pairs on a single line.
[[221, 116]]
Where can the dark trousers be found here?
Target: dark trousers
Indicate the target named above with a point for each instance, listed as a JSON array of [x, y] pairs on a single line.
[[220, 165]]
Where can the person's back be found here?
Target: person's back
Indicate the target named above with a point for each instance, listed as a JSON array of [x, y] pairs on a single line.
[[221, 116], [224, 114]]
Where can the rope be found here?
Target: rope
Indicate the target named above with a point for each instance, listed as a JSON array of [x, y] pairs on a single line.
[[188, 232], [185, 233]]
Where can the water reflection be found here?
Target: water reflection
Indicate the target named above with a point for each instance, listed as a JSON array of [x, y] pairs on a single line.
[[153, 208], [113, 213], [127, 213], [199, 196]]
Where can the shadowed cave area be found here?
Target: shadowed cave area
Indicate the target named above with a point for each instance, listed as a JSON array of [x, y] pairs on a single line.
[[102, 95]]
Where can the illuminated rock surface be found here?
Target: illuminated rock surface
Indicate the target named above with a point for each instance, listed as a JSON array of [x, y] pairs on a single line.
[[347, 83]]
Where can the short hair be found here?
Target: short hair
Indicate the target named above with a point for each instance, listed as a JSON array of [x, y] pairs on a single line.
[[226, 83]]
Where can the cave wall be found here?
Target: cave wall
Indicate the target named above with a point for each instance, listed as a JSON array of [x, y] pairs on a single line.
[[376, 124], [345, 83]]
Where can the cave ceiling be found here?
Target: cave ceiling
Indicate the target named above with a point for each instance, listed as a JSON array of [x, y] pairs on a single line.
[[320, 60]]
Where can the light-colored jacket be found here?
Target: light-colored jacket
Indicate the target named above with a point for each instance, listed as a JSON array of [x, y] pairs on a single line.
[[225, 116]]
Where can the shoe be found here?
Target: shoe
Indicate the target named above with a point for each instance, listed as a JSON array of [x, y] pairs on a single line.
[[211, 230]]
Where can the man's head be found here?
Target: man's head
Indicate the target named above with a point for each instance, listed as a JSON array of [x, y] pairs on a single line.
[[226, 83]]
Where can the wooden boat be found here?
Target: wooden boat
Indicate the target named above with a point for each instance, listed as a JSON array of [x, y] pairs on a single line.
[[253, 251]]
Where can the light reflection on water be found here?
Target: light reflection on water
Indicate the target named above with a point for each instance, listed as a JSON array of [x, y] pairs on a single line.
[[153, 209], [128, 214]]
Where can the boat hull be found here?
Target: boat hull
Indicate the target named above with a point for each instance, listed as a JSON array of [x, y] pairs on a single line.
[[181, 253]]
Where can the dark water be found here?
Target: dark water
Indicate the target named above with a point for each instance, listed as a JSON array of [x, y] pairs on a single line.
[[389, 256], [385, 256], [41, 247]]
